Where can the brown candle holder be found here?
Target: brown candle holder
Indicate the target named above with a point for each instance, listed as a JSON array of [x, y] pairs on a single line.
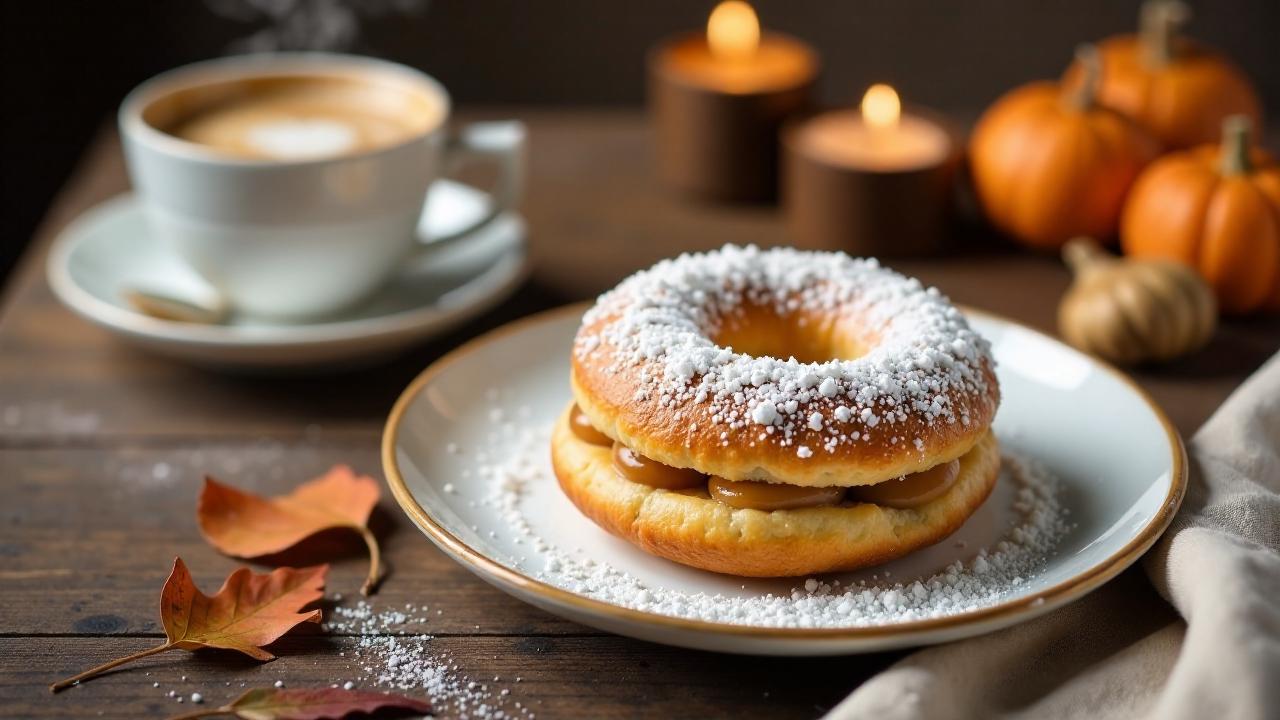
[[833, 205], [717, 143]]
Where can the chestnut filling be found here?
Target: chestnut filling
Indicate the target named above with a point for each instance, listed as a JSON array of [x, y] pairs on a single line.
[[911, 490], [638, 468], [771, 496], [586, 432], [908, 491]]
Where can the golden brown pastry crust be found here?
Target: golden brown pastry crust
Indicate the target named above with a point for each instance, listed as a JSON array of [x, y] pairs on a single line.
[[690, 439], [691, 528]]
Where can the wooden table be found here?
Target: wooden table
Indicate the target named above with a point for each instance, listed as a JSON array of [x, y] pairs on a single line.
[[102, 450]]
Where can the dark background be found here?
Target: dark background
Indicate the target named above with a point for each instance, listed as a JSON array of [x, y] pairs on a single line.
[[66, 64]]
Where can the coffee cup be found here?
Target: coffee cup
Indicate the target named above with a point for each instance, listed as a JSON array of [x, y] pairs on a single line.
[[294, 182]]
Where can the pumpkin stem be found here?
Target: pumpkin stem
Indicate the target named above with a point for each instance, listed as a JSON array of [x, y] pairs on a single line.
[[1080, 96], [1158, 24], [1083, 253], [1235, 145]]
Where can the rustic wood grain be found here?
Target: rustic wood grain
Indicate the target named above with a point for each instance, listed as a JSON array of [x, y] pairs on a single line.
[[102, 449], [132, 511], [583, 677]]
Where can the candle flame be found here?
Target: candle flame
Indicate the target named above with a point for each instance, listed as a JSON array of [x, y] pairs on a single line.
[[881, 107], [733, 31]]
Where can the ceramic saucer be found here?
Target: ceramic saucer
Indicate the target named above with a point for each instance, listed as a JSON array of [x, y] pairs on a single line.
[[109, 249], [451, 454]]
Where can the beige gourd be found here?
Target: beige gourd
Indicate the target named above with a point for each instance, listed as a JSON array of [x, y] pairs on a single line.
[[1130, 311]]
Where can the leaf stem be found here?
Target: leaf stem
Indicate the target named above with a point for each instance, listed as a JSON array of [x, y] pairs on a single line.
[[375, 560], [94, 672]]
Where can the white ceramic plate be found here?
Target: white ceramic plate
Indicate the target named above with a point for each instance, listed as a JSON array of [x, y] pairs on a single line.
[[1120, 463], [109, 249]]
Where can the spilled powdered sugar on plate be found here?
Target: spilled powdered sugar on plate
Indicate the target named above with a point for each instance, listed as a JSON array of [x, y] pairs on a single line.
[[986, 577], [468, 456]]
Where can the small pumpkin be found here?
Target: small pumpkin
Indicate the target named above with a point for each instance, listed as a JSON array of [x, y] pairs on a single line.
[[1131, 311], [1217, 209], [1177, 88], [1048, 163]]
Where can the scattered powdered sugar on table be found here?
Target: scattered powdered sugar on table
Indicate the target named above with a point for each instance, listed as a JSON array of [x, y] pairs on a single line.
[[991, 575], [391, 655]]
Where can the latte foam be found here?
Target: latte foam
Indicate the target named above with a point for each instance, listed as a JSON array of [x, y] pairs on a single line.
[[296, 117]]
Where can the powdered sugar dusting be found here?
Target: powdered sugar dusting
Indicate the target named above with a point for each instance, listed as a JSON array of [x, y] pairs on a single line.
[[988, 576], [924, 364]]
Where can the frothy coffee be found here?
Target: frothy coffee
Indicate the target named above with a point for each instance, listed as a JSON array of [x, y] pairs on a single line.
[[296, 117]]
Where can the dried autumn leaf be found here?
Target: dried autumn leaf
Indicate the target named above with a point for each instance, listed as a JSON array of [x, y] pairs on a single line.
[[249, 611], [248, 526], [308, 704]]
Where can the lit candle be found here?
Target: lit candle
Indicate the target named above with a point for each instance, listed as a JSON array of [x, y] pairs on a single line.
[[733, 33], [718, 100], [877, 135], [873, 180]]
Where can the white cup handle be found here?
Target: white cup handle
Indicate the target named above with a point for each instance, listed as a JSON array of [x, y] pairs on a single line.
[[501, 143]]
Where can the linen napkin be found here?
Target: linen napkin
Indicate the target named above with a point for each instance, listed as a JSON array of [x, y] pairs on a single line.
[[1122, 652]]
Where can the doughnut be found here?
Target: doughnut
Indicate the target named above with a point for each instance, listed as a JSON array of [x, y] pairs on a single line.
[[683, 364], [777, 412]]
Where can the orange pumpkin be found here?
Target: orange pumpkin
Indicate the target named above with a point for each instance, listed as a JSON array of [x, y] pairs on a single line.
[[1178, 89], [1217, 209], [1050, 164]]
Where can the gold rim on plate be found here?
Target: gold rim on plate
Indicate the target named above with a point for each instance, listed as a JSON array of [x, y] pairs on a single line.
[[1034, 604]]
